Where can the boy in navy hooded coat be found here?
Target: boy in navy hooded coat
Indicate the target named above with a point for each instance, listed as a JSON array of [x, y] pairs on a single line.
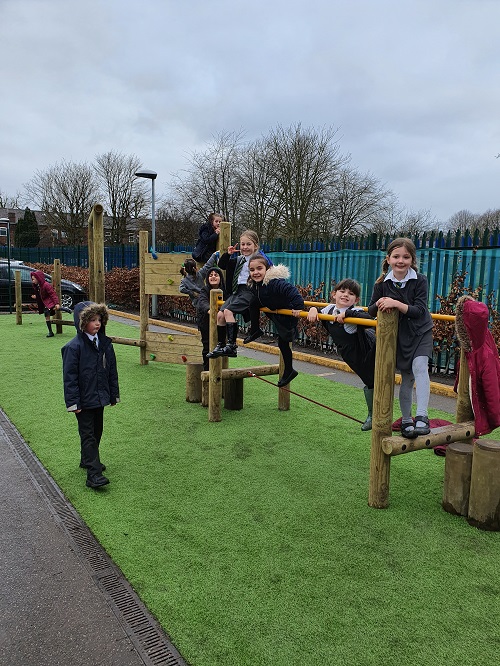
[[90, 383]]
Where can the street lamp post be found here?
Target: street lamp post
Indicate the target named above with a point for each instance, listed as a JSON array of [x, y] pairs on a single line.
[[6, 219], [147, 173]]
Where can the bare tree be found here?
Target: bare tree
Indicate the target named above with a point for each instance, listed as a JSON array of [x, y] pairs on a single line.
[[65, 193], [10, 202], [125, 195], [305, 164], [259, 204], [462, 220], [212, 182], [174, 225], [358, 201]]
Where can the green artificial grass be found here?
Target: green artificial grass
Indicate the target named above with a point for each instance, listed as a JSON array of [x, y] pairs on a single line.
[[250, 539]]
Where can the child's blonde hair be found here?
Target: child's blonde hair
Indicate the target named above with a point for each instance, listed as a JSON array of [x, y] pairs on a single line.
[[252, 235], [409, 245]]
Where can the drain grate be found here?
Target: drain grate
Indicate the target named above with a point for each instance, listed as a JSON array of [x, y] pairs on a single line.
[[149, 639]]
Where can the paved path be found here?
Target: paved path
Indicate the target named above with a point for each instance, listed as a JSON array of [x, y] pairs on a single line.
[[62, 601]]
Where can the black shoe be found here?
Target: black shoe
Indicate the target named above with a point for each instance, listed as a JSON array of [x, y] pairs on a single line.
[[217, 351], [408, 430], [253, 336], [230, 350], [96, 481], [286, 379], [84, 466], [423, 430], [49, 335]]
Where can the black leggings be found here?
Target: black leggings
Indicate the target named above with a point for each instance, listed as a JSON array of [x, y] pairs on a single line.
[[286, 353]]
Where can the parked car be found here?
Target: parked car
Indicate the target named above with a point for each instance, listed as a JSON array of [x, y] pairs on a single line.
[[71, 292]]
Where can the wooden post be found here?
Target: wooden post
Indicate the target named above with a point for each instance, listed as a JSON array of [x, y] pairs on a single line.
[[99, 284], [56, 283], [464, 407], [283, 396], [193, 382], [233, 394], [90, 250], [19, 298], [457, 475], [385, 365], [224, 237], [484, 499], [215, 364], [144, 298]]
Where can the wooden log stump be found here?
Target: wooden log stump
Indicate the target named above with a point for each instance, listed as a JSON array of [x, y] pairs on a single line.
[[193, 382], [484, 499], [457, 476], [204, 394], [233, 394]]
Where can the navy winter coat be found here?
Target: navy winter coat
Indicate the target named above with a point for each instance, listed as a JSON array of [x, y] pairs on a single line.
[[90, 375]]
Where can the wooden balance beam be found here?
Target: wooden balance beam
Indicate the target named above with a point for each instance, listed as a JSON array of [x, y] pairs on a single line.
[[233, 383], [396, 445]]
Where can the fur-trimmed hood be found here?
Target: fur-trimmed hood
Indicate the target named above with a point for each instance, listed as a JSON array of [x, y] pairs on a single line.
[[275, 272], [84, 312], [471, 323]]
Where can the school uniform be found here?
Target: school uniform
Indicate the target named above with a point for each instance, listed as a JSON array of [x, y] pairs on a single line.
[[90, 381], [415, 326], [355, 344], [202, 312], [275, 293], [240, 297]]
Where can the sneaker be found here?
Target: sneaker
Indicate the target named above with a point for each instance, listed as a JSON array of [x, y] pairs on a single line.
[[49, 335]]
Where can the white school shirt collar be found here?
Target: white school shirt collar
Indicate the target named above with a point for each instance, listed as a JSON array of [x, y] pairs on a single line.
[[91, 337], [411, 275]]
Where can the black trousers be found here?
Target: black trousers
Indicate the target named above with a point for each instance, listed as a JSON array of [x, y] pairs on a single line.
[[90, 425]]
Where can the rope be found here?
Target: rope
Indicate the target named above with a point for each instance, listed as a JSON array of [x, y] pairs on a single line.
[[251, 374]]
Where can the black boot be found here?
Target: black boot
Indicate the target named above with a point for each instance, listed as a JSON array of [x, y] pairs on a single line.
[[49, 326], [367, 425], [231, 349], [218, 350]]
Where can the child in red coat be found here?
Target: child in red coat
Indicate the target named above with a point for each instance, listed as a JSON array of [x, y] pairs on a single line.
[[46, 298]]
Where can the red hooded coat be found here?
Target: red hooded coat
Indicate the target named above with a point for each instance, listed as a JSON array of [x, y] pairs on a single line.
[[483, 361], [45, 293]]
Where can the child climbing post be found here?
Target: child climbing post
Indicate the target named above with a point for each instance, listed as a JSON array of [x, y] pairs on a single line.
[[401, 287], [270, 286], [241, 299], [355, 344]]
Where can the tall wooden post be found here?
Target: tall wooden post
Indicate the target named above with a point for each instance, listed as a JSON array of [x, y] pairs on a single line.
[[464, 406], [19, 299], [224, 237], [56, 283], [96, 254], [144, 298], [215, 364], [90, 249], [383, 397]]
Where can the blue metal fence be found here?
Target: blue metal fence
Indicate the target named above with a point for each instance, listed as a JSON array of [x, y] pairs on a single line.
[[440, 265]]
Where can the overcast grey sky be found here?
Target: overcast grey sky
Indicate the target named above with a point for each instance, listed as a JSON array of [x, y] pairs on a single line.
[[412, 86]]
